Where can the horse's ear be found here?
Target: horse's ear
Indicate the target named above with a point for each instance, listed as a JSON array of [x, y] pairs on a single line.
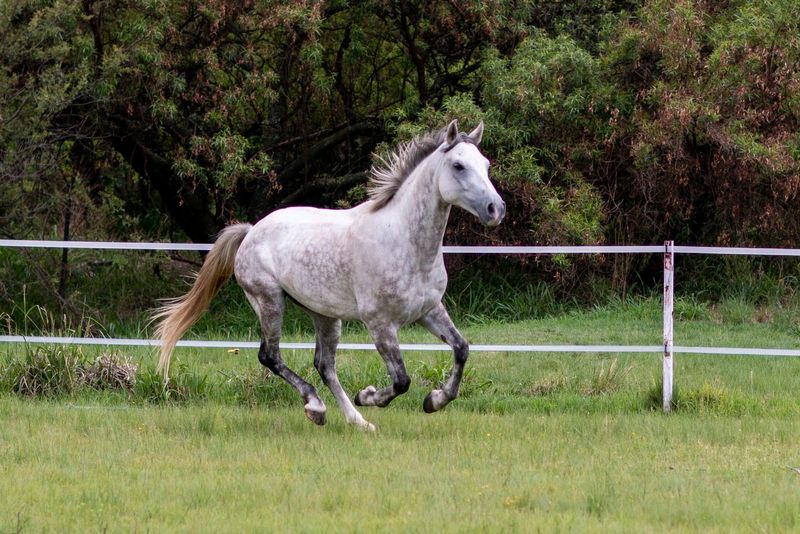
[[477, 133], [452, 132]]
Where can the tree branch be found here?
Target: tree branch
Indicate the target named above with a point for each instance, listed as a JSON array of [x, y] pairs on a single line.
[[347, 181]]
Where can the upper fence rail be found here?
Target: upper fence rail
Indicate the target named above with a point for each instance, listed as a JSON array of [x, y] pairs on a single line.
[[508, 250]]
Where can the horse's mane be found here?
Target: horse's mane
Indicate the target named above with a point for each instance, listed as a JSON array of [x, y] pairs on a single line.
[[388, 174]]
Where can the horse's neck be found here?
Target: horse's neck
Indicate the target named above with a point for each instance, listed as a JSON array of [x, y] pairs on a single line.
[[418, 205]]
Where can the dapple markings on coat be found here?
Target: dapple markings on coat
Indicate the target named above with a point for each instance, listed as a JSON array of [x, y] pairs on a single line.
[[380, 262]]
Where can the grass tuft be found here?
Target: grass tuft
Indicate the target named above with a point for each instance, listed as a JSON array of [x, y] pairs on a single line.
[[250, 388], [550, 385], [709, 398], [436, 373], [609, 379], [58, 371], [43, 372], [184, 385], [654, 395], [433, 374]]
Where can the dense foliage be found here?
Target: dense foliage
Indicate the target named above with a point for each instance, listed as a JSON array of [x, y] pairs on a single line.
[[607, 121]]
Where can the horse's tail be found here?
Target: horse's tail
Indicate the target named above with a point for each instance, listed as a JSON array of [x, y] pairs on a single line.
[[178, 314]]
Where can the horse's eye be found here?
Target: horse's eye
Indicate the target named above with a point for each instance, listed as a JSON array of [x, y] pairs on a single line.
[[458, 166]]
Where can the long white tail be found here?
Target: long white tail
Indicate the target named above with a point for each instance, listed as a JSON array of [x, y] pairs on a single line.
[[178, 314]]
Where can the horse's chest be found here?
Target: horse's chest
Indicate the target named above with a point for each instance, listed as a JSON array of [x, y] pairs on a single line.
[[406, 296]]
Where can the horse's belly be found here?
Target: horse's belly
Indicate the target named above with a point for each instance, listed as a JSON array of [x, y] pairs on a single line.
[[318, 278], [321, 294]]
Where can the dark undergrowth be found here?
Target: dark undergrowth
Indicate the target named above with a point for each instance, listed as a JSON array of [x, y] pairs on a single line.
[[112, 293]]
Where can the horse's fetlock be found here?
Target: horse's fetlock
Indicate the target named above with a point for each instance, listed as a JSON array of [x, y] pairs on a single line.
[[263, 358], [461, 352], [402, 384]]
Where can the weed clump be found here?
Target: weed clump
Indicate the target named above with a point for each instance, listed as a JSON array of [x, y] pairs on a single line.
[[708, 398], [59, 371], [607, 380], [435, 374], [549, 385], [249, 388], [109, 371], [184, 385], [43, 372]]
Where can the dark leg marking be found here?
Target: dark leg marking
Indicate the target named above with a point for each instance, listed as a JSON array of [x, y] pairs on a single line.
[[270, 357], [438, 322], [385, 338]]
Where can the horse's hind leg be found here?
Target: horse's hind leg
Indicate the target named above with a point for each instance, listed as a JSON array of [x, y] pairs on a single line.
[[385, 337], [269, 307], [328, 333], [438, 322]]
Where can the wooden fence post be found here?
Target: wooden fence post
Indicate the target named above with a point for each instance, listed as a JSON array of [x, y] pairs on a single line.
[[669, 286]]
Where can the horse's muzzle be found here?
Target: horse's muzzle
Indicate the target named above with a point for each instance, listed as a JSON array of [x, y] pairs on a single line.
[[494, 213]]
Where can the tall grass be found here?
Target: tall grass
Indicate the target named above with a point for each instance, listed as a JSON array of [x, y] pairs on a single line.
[[479, 297]]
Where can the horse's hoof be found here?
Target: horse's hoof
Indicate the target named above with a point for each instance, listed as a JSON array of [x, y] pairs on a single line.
[[365, 396], [318, 418], [427, 404], [435, 401]]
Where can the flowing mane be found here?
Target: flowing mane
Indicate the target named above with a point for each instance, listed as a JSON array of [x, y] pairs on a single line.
[[388, 174]]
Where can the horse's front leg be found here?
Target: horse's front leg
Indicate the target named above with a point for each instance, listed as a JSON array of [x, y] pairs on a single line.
[[438, 322], [385, 337]]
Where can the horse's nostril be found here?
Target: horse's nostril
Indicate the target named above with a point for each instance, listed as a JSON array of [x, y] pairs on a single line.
[[490, 209]]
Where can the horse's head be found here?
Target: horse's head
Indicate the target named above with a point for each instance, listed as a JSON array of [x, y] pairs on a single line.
[[464, 176]]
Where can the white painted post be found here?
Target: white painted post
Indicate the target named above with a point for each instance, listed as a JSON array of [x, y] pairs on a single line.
[[669, 286]]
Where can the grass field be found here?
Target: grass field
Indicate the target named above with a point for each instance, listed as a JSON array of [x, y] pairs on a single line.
[[551, 442]]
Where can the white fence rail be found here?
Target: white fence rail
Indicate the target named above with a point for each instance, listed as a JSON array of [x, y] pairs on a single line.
[[583, 249], [668, 350]]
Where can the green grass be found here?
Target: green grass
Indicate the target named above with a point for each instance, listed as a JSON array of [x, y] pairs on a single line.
[[564, 442], [231, 468]]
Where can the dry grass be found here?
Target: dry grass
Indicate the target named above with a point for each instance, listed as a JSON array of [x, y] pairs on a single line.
[[109, 371]]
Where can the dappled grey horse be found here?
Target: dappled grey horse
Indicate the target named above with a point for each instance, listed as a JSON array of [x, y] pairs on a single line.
[[380, 262]]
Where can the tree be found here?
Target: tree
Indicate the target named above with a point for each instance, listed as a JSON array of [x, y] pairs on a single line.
[[707, 142]]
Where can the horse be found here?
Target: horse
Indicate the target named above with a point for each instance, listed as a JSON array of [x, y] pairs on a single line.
[[379, 262]]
